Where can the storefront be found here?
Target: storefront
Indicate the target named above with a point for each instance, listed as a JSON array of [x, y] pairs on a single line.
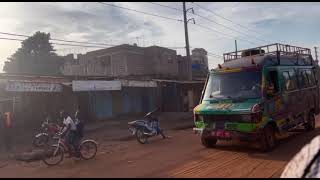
[[34, 100], [100, 99]]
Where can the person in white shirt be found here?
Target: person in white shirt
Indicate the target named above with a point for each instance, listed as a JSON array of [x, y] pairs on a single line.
[[70, 132]]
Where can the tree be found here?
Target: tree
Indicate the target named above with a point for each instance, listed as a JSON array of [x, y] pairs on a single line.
[[36, 56]]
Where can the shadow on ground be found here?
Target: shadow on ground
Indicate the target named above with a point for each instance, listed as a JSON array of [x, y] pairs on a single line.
[[284, 151]]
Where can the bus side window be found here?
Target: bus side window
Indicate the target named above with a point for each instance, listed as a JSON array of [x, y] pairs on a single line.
[[289, 80], [303, 80], [272, 83], [311, 77], [293, 80]]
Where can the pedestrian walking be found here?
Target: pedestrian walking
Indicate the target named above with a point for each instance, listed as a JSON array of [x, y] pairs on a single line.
[[7, 130]]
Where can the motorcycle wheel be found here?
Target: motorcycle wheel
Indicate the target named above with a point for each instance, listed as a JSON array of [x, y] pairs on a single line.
[[141, 137], [40, 141]]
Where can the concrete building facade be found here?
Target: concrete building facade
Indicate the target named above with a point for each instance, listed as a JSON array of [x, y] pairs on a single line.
[[199, 61], [124, 60]]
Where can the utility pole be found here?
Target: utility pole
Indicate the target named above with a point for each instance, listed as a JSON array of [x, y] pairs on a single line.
[[187, 38], [316, 53], [143, 41], [235, 42]]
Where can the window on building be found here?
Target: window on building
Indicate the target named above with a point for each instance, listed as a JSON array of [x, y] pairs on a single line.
[[105, 60], [170, 59]]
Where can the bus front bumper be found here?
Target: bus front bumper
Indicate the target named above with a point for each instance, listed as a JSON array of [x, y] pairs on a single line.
[[197, 130], [228, 135]]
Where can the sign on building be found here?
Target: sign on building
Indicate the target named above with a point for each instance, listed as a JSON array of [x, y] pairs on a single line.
[[132, 83], [96, 85], [16, 86]]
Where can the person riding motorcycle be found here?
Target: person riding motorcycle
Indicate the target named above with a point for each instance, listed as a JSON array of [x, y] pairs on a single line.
[[69, 131]]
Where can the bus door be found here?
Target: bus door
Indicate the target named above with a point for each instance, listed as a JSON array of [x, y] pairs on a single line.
[[291, 97]]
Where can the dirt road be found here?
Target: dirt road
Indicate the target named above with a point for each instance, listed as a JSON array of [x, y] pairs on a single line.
[[180, 156]]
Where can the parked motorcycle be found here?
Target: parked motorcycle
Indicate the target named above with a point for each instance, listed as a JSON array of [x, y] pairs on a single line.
[[146, 128], [48, 131]]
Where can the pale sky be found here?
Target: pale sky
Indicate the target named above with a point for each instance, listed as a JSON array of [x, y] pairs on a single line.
[[261, 23]]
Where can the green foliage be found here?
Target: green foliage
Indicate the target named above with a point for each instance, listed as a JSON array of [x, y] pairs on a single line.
[[36, 56]]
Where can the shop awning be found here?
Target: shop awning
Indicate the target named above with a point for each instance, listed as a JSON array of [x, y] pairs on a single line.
[[23, 86], [96, 85]]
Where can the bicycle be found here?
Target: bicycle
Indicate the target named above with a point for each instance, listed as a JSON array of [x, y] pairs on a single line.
[[58, 150]]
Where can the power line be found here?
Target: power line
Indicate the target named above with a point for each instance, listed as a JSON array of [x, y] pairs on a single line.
[[177, 9], [14, 34], [228, 27], [13, 39], [150, 14], [175, 47], [66, 44], [173, 19], [227, 35], [63, 44], [224, 18], [80, 42], [213, 54]]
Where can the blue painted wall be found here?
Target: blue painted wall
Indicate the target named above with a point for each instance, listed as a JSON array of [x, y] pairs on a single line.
[[101, 104], [137, 100], [133, 100]]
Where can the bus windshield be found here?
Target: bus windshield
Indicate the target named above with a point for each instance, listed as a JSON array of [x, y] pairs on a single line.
[[238, 85]]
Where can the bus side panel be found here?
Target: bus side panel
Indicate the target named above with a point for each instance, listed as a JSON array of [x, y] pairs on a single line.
[[316, 71]]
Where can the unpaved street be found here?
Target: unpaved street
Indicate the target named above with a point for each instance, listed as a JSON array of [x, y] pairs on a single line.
[[180, 156]]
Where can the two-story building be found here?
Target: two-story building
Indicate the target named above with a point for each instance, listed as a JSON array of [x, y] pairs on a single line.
[[167, 71], [199, 60], [125, 61]]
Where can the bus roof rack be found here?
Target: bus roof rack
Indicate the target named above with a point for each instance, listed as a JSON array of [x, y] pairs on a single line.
[[271, 49]]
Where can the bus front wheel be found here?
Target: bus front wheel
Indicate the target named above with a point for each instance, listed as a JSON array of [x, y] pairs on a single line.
[[311, 123], [268, 139], [208, 142]]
